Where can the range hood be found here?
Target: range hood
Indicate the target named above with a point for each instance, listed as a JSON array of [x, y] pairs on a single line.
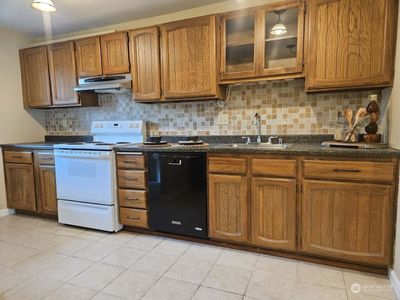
[[111, 84]]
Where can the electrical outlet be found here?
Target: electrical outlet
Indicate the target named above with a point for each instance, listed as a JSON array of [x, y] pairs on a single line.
[[223, 119]]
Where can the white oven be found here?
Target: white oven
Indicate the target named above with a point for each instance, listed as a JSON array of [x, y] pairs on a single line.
[[86, 189], [86, 175]]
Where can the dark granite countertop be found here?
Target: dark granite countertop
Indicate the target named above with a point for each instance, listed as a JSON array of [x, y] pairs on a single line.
[[300, 145], [293, 149], [30, 146]]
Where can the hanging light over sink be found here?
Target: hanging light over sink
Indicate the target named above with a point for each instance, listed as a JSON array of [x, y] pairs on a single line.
[[279, 28], [43, 5]]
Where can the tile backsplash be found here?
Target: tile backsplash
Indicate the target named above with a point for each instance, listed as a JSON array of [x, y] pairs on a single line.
[[283, 105]]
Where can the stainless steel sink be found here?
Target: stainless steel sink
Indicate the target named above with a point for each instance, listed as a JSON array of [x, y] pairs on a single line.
[[260, 146]]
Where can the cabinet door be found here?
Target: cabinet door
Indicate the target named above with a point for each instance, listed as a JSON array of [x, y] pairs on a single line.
[[63, 73], [238, 45], [88, 57], [279, 52], [350, 43], [228, 208], [20, 186], [273, 215], [47, 190], [189, 58], [349, 221], [145, 58], [35, 77], [114, 53]]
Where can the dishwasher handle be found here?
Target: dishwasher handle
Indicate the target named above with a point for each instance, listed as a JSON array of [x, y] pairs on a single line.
[[175, 162]]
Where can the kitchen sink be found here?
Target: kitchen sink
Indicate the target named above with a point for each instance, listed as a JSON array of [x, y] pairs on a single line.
[[260, 146]]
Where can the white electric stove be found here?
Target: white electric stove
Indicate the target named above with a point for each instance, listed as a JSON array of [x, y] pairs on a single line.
[[86, 175]]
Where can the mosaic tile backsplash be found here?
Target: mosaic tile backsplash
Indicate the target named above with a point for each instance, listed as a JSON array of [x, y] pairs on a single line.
[[283, 105]]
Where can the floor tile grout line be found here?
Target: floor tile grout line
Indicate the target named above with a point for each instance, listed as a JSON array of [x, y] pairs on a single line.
[[166, 269]]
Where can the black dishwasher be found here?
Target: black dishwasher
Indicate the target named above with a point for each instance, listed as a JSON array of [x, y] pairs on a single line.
[[178, 193]]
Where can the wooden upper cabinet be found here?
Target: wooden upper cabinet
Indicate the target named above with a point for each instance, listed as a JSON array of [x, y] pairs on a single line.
[[114, 53], [348, 221], [88, 57], [20, 185], [189, 67], [238, 44], [35, 77], [274, 213], [228, 207], [63, 73], [280, 54], [350, 43], [144, 48]]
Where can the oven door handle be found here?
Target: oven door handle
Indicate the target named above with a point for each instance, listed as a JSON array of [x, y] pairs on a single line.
[[83, 156]]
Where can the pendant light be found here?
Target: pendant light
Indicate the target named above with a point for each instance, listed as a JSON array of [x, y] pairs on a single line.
[[279, 28], [43, 5]]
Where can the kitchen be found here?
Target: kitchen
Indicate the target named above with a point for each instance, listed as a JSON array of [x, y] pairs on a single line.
[[199, 149]]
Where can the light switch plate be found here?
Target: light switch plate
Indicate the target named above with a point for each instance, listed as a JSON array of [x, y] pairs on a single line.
[[223, 119]]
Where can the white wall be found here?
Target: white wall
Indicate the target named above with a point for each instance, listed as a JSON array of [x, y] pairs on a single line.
[[16, 124]]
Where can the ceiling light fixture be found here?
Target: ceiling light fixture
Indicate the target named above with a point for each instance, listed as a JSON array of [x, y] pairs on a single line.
[[279, 28], [43, 5]]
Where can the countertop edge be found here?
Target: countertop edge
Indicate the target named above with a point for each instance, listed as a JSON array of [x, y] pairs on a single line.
[[296, 149]]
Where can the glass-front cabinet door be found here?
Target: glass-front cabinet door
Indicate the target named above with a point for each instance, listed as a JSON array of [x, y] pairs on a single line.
[[238, 44], [280, 44], [263, 42]]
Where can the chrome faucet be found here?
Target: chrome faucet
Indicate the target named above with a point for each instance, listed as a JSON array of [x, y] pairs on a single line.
[[257, 122]]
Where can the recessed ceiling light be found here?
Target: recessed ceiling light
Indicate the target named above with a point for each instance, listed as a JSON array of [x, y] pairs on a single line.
[[43, 5]]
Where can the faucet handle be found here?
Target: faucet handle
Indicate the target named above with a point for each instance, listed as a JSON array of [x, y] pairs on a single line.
[[247, 138]]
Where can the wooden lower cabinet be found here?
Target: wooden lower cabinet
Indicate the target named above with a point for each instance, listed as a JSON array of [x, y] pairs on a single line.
[[47, 190], [20, 185], [228, 207], [348, 221], [273, 213]]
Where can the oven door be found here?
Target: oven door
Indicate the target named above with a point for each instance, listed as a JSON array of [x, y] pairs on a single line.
[[85, 176]]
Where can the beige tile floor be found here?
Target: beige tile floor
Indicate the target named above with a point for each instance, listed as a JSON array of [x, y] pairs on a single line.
[[41, 259]]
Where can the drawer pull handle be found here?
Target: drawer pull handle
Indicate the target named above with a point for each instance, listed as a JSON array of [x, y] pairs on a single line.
[[132, 199], [133, 218], [16, 156], [347, 170], [130, 162], [130, 179], [48, 159]]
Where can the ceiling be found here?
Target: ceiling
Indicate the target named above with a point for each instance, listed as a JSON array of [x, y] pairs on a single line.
[[75, 15]]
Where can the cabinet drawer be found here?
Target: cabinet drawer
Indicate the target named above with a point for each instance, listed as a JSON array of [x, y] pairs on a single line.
[[45, 158], [133, 217], [132, 198], [273, 167], [18, 157], [129, 161], [227, 165], [131, 179], [372, 171]]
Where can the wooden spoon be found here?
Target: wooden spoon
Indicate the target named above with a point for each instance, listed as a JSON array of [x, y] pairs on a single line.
[[348, 114], [361, 113]]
